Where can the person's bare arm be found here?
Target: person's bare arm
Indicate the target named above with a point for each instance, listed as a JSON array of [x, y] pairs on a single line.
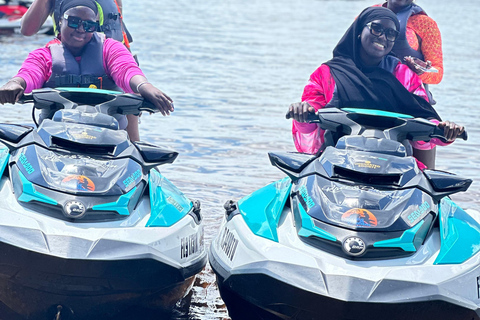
[[36, 16]]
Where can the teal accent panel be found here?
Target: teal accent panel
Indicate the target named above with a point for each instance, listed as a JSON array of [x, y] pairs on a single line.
[[120, 206], [308, 228], [459, 234], [262, 209], [378, 112], [4, 157], [405, 241], [168, 205], [29, 193], [88, 90]]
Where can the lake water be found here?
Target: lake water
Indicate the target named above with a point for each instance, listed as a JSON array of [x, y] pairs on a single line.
[[233, 67]]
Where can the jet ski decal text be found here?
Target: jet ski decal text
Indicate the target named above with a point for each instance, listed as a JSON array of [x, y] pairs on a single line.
[[419, 212], [188, 246], [174, 203], [229, 243], [26, 165], [478, 287], [106, 165], [308, 200], [367, 164], [132, 178], [83, 135]]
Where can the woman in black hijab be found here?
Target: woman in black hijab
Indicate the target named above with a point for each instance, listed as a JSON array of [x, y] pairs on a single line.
[[363, 74]]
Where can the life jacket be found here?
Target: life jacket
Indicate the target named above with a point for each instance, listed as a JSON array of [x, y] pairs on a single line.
[[402, 48], [67, 72], [109, 17]]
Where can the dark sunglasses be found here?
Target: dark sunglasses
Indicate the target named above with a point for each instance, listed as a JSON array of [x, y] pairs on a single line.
[[377, 30], [75, 22]]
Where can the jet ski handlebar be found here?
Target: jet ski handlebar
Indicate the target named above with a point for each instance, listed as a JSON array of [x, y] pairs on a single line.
[[107, 102], [395, 126]]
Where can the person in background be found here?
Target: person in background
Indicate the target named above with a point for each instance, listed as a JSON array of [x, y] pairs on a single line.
[[363, 74], [93, 60], [110, 17], [419, 38]]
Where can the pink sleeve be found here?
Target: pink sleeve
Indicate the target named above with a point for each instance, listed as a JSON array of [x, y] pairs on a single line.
[[119, 64], [308, 137], [410, 80], [36, 69]]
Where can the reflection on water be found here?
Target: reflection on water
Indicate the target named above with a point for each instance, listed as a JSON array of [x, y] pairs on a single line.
[[233, 67]]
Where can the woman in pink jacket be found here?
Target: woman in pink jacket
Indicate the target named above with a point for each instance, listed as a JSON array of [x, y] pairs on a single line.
[[362, 74], [84, 58]]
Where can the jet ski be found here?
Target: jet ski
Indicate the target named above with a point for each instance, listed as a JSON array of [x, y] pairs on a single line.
[[89, 225], [357, 232]]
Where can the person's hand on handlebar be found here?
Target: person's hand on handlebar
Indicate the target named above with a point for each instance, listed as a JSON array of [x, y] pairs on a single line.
[[148, 91], [451, 130], [11, 91], [163, 102], [300, 111]]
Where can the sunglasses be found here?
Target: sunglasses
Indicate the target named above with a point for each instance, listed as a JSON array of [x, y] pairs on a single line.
[[377, 30], [75, 22]]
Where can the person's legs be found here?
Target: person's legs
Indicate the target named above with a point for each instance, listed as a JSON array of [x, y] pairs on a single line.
[[427, 157]]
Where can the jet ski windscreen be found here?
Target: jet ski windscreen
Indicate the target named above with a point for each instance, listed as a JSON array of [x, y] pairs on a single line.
[[76, 173]]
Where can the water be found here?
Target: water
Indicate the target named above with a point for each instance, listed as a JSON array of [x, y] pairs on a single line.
[[233, 67]]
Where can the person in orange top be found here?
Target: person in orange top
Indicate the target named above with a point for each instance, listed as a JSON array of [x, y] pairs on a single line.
[[419, 37]]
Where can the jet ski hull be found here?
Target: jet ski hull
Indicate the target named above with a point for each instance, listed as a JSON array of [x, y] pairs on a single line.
[[292, 280], [93, 270], [33, 285]]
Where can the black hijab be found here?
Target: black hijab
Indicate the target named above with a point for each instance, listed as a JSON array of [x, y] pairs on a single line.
[[359, 86]]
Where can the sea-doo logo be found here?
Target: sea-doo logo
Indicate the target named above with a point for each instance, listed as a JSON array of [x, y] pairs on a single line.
[[74, 209], [306, 197], [26, 165], [229, 243], [419, 212], [188, 246], [132, 178], [354, 246]]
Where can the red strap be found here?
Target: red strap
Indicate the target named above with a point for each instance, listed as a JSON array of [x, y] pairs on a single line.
[[125, 38]]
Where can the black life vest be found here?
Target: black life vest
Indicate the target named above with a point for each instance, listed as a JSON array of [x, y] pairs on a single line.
[[67, 72]]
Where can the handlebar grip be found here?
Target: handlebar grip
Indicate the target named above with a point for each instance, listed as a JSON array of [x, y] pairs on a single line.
[[311, 117], [463, 135], [148, 107], [438, 133], [26, 98]]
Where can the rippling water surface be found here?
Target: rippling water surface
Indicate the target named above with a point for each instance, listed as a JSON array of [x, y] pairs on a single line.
[[233, 67]]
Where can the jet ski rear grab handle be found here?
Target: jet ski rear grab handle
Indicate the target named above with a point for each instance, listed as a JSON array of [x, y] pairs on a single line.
[[321, 117]]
